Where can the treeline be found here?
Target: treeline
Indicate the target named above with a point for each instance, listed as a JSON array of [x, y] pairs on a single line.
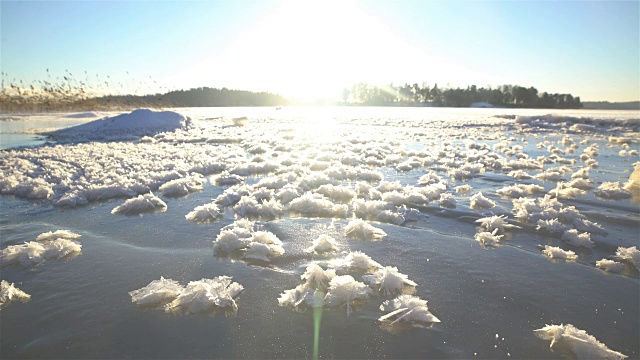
[[205, 96], [200, 97], [425, 95], [69, 98]]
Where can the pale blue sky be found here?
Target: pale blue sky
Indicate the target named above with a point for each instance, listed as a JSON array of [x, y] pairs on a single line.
[[304, 49]]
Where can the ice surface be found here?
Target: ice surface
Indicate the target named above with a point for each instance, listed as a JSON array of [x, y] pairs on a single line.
[[571, 341], [141, 203], [9, 293]]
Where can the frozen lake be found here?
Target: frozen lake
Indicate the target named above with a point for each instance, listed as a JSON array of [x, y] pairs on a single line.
[[299, 173]]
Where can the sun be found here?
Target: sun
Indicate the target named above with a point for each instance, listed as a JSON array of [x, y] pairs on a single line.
[[307, 50]]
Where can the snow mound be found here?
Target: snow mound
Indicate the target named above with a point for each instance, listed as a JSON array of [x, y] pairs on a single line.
[[633, 184], [9, 293], [479, 201], [408, 309], [388, 280], [360, 229], [141, 203], [575, 343], [610, 265], [447, 201], [317, 206], [554, 252], [58, 234], [630, 255], [341, 194], [136, 124], [323, 244], [225, 178], [613, 191], [182, 187], [519, 190]]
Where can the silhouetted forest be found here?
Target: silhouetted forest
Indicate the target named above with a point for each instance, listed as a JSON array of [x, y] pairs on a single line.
[[69, 98], [215, 97], [425, 95]]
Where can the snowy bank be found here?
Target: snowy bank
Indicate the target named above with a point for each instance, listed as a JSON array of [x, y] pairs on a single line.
[[136, 124]]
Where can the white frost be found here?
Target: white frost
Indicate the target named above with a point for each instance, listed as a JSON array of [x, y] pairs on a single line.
[[409, 309], [567, 339], [388, 280], [9, 293], [479, 201], [204, 213], [554, 252], [360, 229], [157, 292], [323, 244]]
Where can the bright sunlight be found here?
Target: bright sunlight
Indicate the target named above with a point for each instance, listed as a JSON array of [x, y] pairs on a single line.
[[329, 45]]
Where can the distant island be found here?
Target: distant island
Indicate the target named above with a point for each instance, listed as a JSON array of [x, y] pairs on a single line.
[[605, 105], [504, 96]]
